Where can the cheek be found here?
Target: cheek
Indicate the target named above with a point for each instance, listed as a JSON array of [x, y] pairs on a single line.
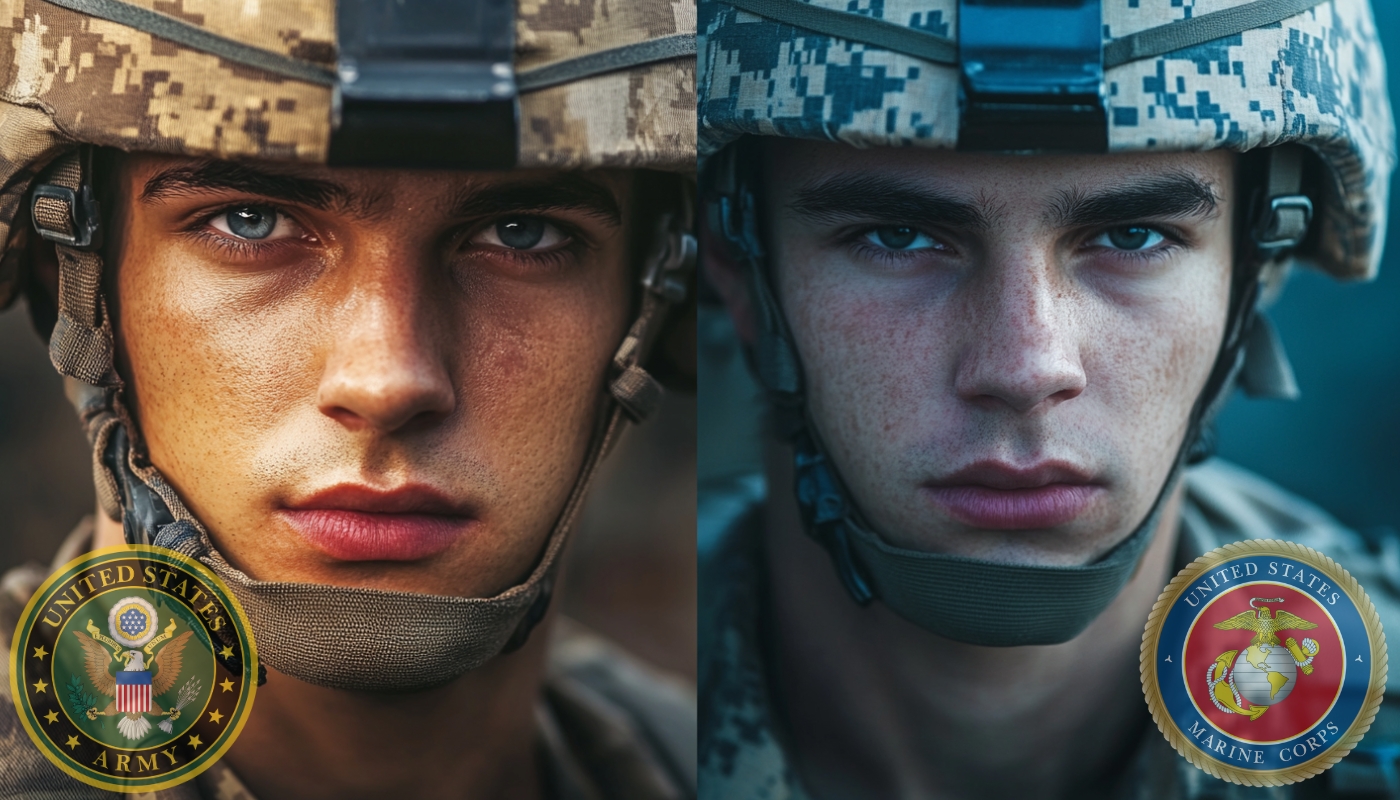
[[1151, 362], [208, 361], [532, 362], [873, 360]]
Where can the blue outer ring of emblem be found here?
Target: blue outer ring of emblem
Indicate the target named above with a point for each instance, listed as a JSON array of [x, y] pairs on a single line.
[[1176, 698]]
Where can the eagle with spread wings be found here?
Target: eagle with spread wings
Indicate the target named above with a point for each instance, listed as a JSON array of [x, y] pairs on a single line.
[[1265, 623], [165, 668]]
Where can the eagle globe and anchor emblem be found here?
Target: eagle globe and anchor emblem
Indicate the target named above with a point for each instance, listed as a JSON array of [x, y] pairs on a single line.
[[1263, 662], [133, 668], [1252, 680]]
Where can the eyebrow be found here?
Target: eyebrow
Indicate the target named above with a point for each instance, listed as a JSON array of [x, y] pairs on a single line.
[[556, 193], [1177, 194], [233, 177], [561, 192], [855, 196]]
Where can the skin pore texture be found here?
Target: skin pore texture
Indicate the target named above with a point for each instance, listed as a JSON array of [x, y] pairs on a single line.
[[1000, 354], [287, 332]]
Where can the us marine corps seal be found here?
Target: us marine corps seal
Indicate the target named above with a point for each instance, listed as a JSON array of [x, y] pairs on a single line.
[[1263, 662], [133, 668]]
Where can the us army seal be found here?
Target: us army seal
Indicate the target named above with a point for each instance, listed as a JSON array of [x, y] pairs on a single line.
[[133, 668], [1263, 662]]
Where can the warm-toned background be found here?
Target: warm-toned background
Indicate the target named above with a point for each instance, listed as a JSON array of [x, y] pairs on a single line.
[[631, 572]]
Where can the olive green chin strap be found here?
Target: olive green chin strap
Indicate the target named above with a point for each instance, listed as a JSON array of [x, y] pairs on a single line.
[[968, 600], [972, 600]]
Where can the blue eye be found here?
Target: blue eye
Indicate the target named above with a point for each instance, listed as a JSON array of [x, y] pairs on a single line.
[[251, 222], [255, 223], [1130, 238], [899, 237], [522, 233]]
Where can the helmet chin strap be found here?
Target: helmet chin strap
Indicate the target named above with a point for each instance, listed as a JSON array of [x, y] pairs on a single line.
[[967, 599], [331, 636]]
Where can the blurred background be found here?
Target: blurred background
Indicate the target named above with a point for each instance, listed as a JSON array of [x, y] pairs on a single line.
[[630, 573], [1338, 446]]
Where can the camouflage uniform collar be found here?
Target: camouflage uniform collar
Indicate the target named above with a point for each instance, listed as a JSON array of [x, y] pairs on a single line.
[[742, 750], [593, 693]]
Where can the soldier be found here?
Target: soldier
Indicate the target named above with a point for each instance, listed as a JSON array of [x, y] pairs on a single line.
[[325, 337], [995, 287]]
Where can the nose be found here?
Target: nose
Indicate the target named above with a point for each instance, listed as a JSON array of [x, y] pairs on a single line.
[[1023, 352], [386, 364]]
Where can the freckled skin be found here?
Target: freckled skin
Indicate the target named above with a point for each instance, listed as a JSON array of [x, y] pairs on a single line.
[[1020, 344], [383, 352], [1015, 344]]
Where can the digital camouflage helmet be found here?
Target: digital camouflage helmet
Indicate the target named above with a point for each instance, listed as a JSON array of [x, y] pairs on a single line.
[[1302, 82]]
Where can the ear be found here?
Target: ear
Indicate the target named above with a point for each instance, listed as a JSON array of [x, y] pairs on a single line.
[[729, 280]]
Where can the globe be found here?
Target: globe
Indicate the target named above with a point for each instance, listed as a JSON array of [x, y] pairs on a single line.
[[1265, 674]]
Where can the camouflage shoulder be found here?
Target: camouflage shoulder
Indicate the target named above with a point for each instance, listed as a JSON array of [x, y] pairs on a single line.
[[725, 508], [629, 725], [1226, 503], [19, 584], [24, 771]]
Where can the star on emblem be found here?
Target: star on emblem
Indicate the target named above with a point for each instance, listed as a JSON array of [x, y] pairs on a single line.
[[40, 686], [71, 743], [52, 717], [195, 742], [216, 717], [227, 652], [40, 652], [226, 685]]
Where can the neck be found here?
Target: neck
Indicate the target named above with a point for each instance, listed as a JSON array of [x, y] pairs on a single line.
[[474, 737], [922, 716]]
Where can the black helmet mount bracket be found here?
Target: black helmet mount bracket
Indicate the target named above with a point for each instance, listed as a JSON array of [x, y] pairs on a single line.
[[425, 84]]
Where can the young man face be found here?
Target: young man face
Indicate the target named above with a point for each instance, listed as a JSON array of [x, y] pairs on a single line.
[[1001, 353], [369, 378]]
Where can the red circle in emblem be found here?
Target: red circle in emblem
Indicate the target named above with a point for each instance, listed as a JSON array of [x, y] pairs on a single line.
[[1311, 695]]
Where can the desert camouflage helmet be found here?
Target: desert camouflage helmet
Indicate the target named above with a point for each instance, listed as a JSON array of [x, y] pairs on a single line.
[[552, 84], [1146, 75], [451, 84]]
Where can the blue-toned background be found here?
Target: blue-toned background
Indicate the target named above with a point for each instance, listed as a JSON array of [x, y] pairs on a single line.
[[1339, 445]]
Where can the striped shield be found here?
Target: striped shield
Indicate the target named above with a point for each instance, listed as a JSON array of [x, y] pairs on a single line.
[[134, 692]]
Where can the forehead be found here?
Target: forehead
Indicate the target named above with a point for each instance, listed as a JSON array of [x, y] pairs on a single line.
[[802, 166], [368, 192]]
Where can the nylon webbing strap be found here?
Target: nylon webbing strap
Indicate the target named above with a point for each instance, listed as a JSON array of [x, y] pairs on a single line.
[[81, 344], [665, 276], [1002, 605], [943, 50], [1198, 30], [628, 56], [197, 38], [856, 28]]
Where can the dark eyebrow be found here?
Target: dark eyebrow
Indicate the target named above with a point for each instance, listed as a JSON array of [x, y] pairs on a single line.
[[234, 177], [557, 193], [878, 197], [473, 200], [1177, 194]]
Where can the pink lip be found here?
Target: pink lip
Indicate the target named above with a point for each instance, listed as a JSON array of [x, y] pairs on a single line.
[[357, 523], [995, 496]]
